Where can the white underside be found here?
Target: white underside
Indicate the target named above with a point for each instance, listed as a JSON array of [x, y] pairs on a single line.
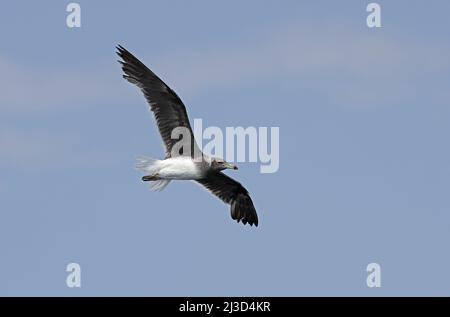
[[181, 168]]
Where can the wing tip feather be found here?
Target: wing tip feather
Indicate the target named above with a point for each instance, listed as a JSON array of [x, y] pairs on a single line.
[[243, 210]]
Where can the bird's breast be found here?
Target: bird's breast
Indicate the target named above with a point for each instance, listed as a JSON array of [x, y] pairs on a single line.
[[180, 168]]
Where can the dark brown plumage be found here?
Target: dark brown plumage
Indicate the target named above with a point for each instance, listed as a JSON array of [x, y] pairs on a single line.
[[167, 107], [233, 193]]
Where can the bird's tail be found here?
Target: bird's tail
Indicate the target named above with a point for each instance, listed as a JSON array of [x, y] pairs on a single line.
[[150, 167]]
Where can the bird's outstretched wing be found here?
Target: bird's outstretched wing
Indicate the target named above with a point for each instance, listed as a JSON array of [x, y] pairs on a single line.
[[169, 110], [233, 193]]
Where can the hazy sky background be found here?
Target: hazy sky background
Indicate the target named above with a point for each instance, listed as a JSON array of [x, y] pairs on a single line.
[[364, 148]]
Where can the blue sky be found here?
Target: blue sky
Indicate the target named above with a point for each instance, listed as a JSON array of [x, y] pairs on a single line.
[[364, 159]]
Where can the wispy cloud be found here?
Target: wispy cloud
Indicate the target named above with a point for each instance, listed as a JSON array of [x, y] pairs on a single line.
[[40, 89], [338, 62], [39, 150]]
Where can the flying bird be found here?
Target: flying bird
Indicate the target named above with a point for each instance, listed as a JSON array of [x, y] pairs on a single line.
[[187, 162]]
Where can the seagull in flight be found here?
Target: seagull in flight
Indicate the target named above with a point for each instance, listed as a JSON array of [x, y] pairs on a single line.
[[185, 162]]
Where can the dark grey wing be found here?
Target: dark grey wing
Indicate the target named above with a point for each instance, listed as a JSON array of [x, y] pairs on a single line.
[[233, 193], [167, 107]]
